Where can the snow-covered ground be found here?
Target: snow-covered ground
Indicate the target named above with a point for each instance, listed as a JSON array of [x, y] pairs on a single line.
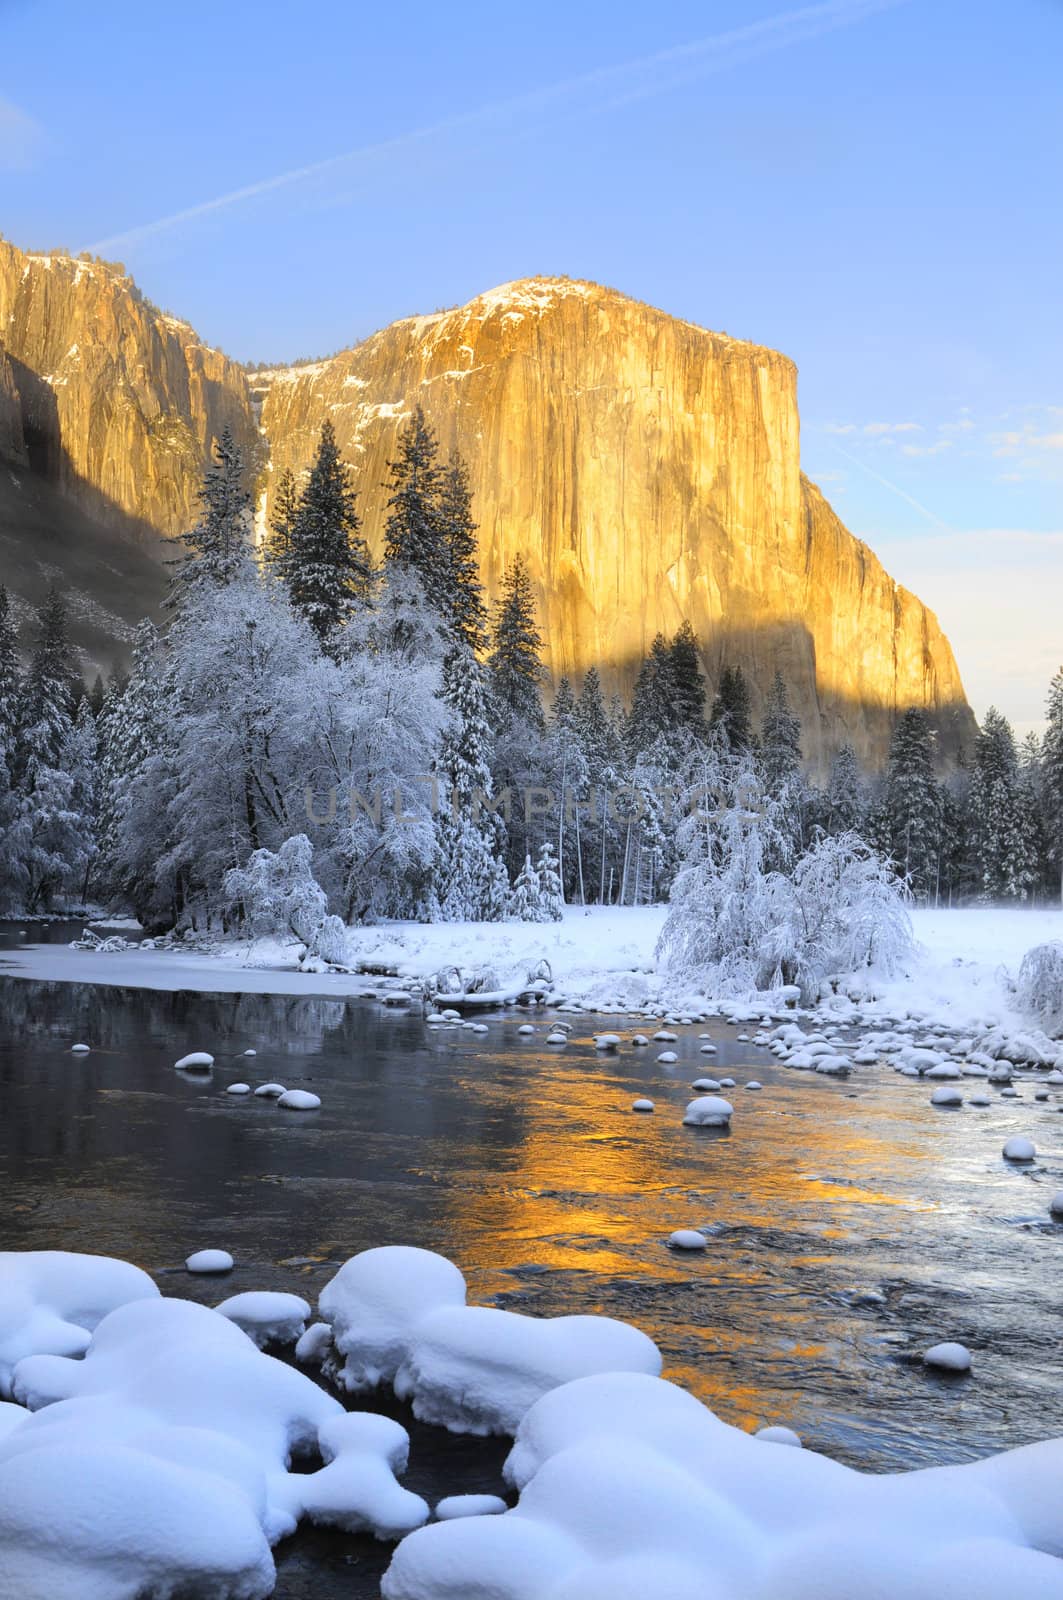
[[599, 956]]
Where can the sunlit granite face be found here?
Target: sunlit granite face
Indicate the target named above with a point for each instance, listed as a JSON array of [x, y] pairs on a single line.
[[649, 471]]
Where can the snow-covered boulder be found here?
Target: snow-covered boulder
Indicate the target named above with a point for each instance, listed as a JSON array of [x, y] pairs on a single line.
[[398, 1315], [299, 1100], [267, 1316], [209, 1261], [708, 1111], [1019, 1149], [946, 1097], [948, 1357], [197, 1061], [642, 1105], [51, 1300]]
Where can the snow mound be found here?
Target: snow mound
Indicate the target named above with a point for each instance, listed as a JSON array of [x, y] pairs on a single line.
[[630, 1488], [267, 1316], [398, 1315], [708, 1111], [210, 1261], [299, 1100], [159, 1463], [687, 1239], [642, 1105], [1019, 1149], [198, 1061], [51, 1300], [948, 1357]]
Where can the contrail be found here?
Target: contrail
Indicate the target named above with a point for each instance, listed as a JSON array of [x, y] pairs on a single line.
[[893, 488], [606, 88]]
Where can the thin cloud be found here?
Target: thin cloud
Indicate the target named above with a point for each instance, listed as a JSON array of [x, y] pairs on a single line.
[[602, 90], [894, 488], [20, 137], [877, 429]]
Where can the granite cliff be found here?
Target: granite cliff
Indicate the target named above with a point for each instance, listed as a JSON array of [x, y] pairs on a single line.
[[649, 470]]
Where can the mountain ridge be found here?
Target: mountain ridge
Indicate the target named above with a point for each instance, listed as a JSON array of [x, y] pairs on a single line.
[[647, 468]]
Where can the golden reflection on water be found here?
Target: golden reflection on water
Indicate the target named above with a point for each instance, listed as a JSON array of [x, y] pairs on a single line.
[[594, 1189]]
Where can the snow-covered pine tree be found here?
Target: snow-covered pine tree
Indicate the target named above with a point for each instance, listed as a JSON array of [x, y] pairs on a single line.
[[845, 798], [470, 879], [1032, 800], [412, 536], [1052, 776], [130, 730], [912, 806], [551, 894], [79, 759], [730, 710], [49, 819], [327, 568], [515, 662], [218, 548], [278, 542], [526, 899], [603, 752], [13, 840], [465, 608], [687, 683], [567, 766], [780, 741], [1002, 834], [653, 699]]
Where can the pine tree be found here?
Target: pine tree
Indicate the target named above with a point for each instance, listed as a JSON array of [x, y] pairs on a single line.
[[780, 741], [51, 825], [551, 893], [1052, 777], [569, 773], [526, 898], [653, 699], [130, 732], [412, 535], [327, 567], [844, 796], [13, 841], [687, 684], [278, 542], [1003, 842], [730, 710], [470, 877], [466, 611], [912, 805], [217, 549], [515, 662]]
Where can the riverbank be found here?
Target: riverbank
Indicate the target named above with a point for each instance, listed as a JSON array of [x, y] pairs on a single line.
[[601, 957]]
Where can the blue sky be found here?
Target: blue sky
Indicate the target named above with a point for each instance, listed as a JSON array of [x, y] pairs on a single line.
[[872, 187]]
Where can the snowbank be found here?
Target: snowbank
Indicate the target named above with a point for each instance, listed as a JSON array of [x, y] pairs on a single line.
[[601, 957], [159, 1462], [630, 1487], [398, 1315]]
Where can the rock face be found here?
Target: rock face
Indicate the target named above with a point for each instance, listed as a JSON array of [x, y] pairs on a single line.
[[12, 443], [119, 403], [647, 469], [650, 473]]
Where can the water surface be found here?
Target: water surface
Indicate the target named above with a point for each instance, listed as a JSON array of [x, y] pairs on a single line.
[[851, 1225]]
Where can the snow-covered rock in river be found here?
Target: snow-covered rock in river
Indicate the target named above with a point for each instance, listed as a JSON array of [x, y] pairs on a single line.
[[270, 1091], [267, 1316], [948, 1357], [946, 1097], [51, 1300], [398, 1315], [1019, 1149], [238, 1088], [299, 1100], [708, 1111], [469, 1505], [642, 1105], [687, 1239], [210, 1261], [198, 1061]]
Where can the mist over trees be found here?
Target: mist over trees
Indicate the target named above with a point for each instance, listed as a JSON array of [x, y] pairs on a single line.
[[386, 718]]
